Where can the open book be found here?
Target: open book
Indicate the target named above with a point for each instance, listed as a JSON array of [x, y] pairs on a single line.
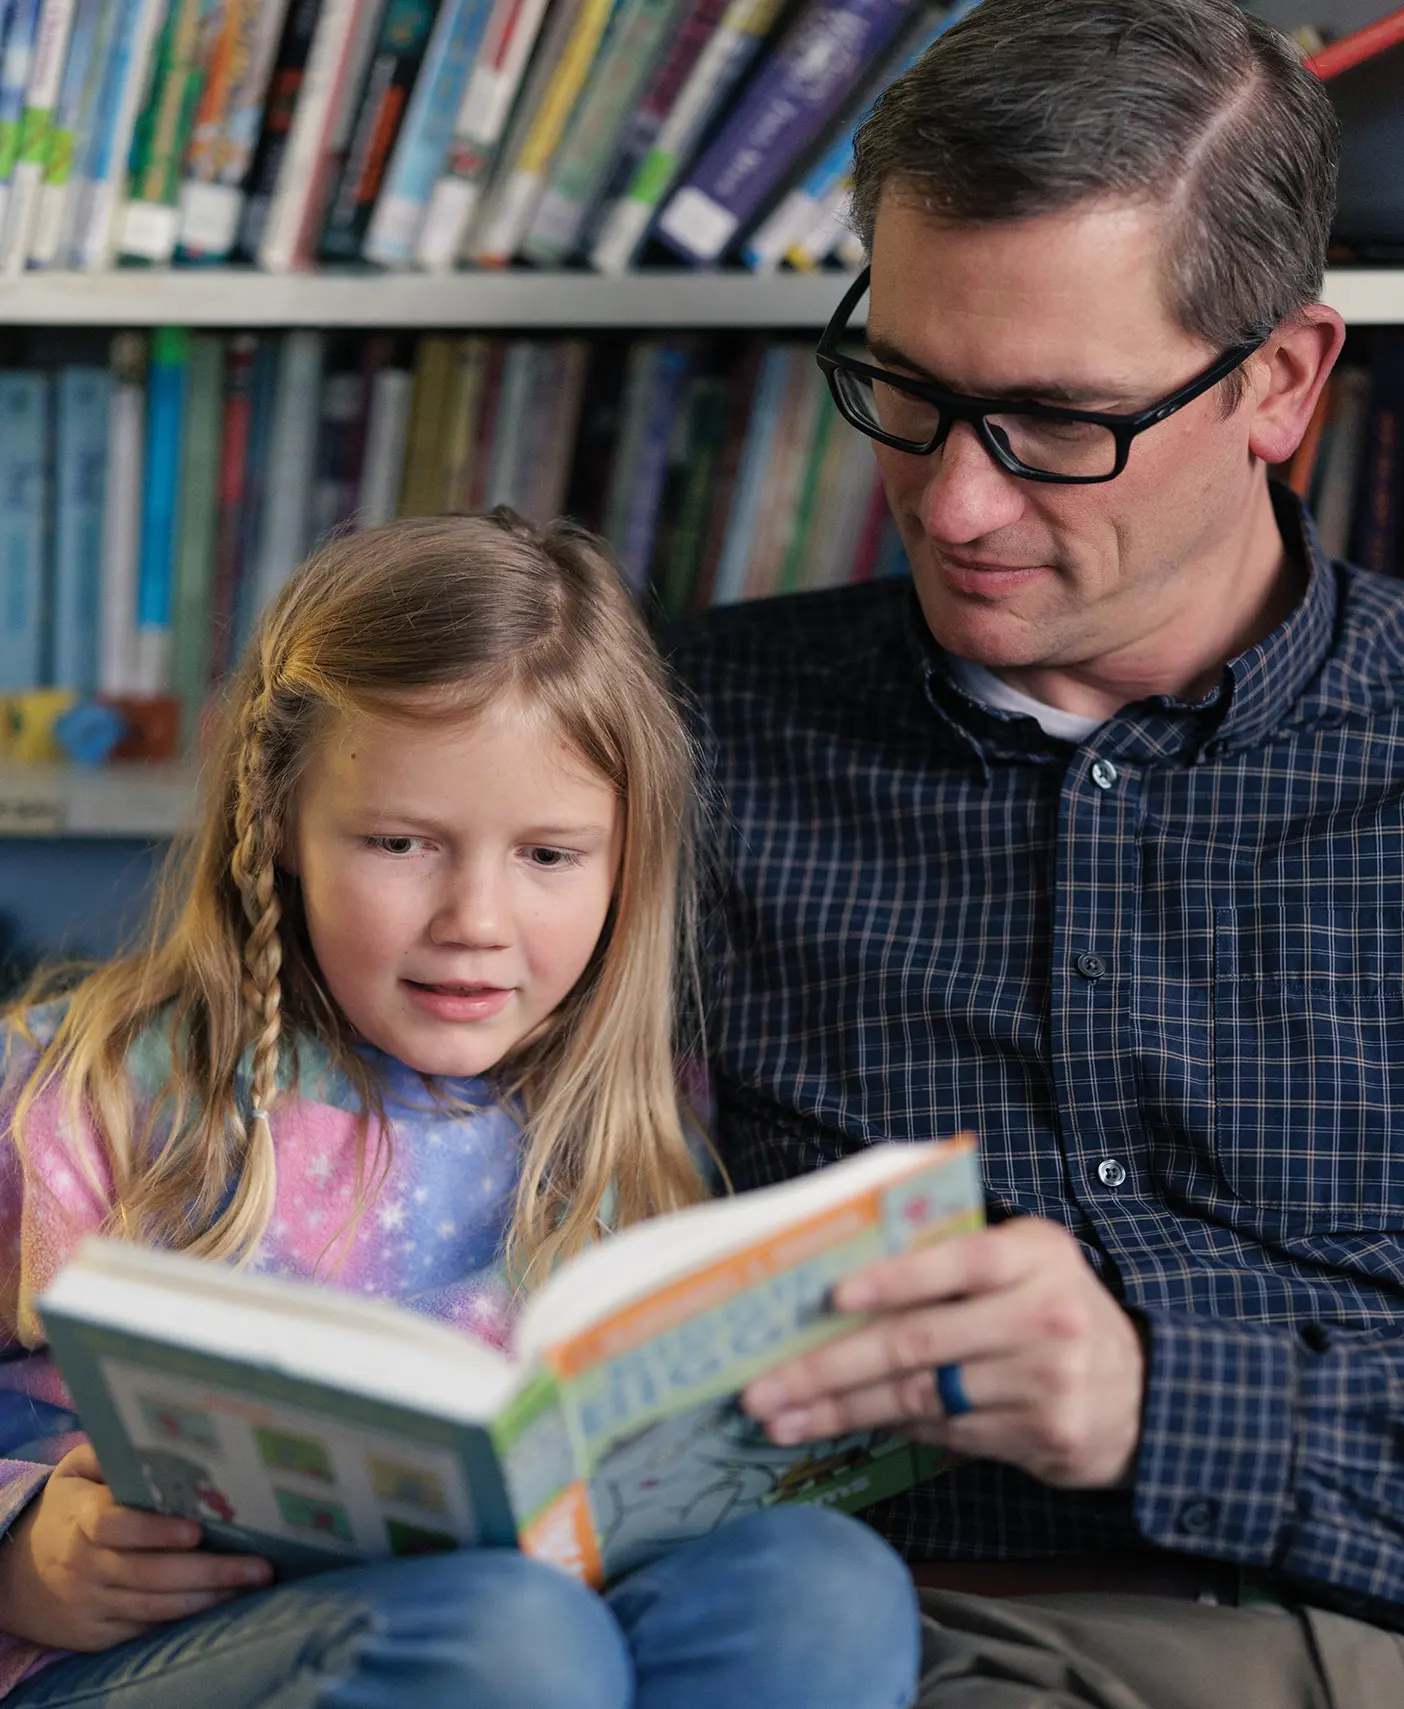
[[319, 1428]]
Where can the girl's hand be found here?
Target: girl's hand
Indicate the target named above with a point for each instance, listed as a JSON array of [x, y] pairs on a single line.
[[79, 1572]]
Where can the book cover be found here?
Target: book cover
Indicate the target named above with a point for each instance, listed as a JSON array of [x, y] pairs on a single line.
[[424, 137], [725, 57], [81, 404], [121, 519], [255, 195], [321, 1428], [512, 201], [166, 382], [27, 183], [812, 72], [150, 219], [479, 126], [24, 537], [595, 134], [191, 614], [390, 76], [120, 98], [285, 532], [87, 46], [226, 128], [317, 140]]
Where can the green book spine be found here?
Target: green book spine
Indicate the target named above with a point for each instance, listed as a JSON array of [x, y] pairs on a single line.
[[150, 222], [195, 544], [791, 571]]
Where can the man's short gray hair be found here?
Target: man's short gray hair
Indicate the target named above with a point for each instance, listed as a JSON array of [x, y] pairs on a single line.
[[1031, 107]]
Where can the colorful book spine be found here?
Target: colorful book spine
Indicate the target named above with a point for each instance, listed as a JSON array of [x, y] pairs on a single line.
[[478, 129], [121, 518], [254, 196], [258, 479], [27, 183], [226, 128], [405, 30], [150, 222], [321, 120], [424, 137], [120, 99], [81, 405], [165, 411], [236, 414], [811, 74], [82, 69], [16, 62], [634, 543], [199, 517], [510, 209], [595, 134], [795, 215], [827, 228], [386, 432], [719, 67], [730, 583], [24, 580], [285, 533]]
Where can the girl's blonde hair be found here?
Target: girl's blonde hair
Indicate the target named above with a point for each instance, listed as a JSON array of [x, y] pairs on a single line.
[[433, 618]]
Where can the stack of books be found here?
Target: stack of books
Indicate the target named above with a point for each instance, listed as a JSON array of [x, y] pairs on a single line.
[[434, 133], [155, 492]]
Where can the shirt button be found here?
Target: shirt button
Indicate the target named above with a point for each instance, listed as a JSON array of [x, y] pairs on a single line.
[[1111, 1173], [1103, 773], [1199, 1516], [1091, 966]]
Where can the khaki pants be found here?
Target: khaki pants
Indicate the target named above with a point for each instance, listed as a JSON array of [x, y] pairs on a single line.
[[1098, 1651]]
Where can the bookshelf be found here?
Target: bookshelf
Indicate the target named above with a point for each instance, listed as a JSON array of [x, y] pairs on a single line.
[[661, 298]]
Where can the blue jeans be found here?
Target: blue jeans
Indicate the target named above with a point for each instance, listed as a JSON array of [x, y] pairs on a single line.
[[793, 1608]]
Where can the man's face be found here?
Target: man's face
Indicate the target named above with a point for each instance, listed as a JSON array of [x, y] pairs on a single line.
[[1065, 308]]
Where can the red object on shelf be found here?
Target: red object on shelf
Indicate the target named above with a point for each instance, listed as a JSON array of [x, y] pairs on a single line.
[[153, 726], [1359, 46]]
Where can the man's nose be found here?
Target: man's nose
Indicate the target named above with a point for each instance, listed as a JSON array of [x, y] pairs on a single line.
[[967, 494]]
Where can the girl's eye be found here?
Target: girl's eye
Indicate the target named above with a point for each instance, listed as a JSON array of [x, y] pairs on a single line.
[[394, 845], [550, 859]]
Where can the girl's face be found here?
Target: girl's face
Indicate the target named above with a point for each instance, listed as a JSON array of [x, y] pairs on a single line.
[[456, 878]]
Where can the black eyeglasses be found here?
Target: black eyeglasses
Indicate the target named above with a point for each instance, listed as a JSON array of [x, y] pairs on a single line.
[[1039, 442]]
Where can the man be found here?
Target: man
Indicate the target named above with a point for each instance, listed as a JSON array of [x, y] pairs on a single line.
[[1092, 840]]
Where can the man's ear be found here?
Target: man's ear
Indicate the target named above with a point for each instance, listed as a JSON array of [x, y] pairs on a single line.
[[1297, 360]]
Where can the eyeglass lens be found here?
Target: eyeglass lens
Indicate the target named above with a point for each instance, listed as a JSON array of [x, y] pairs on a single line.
[[1076, 448]]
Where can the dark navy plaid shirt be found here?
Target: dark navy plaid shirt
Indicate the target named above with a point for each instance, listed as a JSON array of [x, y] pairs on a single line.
[[1161, 974]]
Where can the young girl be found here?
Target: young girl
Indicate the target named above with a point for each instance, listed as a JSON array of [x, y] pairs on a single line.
[[405, 1023]]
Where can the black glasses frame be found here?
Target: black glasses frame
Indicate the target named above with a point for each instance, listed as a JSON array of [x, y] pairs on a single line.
[[955, 406]]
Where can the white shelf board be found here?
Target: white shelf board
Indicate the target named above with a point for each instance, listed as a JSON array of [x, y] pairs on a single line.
[[133, 800], [231, 298], [228, 297]]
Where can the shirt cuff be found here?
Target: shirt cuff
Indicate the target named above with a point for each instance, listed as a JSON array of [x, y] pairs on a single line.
[[1214, 1472], [20, 1482]]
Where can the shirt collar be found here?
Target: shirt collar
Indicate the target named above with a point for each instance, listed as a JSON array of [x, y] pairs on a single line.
[[1257, 692]]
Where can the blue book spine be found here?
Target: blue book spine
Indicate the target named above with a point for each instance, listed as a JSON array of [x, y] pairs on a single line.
[[264, 393], [165, 412], [797, 91], [82, 402], [646, 490], [20, 40], [100, 157], [24, 582], [424, 137], [755, 461]]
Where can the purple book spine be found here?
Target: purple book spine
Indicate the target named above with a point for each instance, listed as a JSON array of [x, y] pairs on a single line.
[[799, 88]]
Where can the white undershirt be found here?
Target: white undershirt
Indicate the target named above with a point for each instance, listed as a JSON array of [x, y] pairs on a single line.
[[990, 690]]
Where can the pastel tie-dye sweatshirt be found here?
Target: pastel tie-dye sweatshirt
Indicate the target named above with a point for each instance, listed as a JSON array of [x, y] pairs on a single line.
[[430, 1238]]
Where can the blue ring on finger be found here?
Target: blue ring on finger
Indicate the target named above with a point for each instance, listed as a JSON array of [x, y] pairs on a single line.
[[950, 1386]]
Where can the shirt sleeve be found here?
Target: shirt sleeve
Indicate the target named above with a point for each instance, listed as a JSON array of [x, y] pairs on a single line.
[[1278, 1448]]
